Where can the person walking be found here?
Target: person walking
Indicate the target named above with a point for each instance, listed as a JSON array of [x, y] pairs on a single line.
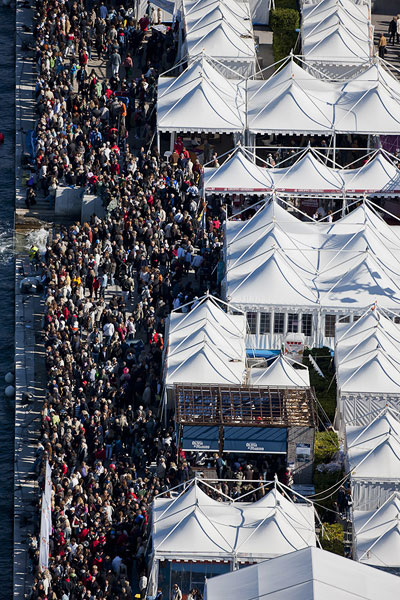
[[392, 30], [115, 63], [382, 46]]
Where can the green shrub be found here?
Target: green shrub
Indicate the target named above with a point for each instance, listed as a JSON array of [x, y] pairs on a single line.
[[326, 444], [286, 4], [284, 20], [323, 482], [325, 388], [333, 538]]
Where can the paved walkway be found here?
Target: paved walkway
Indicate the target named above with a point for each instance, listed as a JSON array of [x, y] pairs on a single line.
[[383, 13]]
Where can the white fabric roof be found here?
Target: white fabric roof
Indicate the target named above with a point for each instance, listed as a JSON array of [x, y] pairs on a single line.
[[309, 174], [373, 451], [336, 32], [367, 355], [281, 373], [206, 345], [196, 527], [223, 29], [274, 259], [308, 574], [293, 100], [237, 174], [376, 534], [200, 99]]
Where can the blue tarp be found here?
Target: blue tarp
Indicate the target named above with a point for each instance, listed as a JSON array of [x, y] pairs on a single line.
[[251, 353], [200, 439], [271, 440]]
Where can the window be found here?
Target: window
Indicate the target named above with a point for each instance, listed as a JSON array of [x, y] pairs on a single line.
[[293, 323], [306, 325], [279, 322], [343, 319], [251, 322], [265, 323], [330, 321]]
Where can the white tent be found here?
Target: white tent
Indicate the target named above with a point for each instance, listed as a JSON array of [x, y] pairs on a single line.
[[238, 174], [195, 527], [367, 358], [373, 455], [336, 33], [200, 99], [205, 345], [306, 275], [376, 534], [223, 30], [308, 574], [281, 373], [293, 100], [307, 175]]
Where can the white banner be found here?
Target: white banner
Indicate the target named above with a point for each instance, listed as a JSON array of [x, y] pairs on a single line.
[[45, 522]]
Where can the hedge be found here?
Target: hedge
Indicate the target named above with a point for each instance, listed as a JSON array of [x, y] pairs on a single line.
[[326, 445], [335, 543], [286, 4], [325, 388], [284, 22]]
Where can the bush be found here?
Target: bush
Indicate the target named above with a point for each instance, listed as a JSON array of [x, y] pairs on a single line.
[[286, 4], [284, 22], [333, 538], [323, 482], [325, 388], [326, 444]]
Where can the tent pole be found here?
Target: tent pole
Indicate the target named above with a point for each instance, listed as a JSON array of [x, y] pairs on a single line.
[[158, 142], [172, 141], [334, 148]]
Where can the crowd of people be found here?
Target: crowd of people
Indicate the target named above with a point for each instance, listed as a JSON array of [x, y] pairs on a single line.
[[109, 285]]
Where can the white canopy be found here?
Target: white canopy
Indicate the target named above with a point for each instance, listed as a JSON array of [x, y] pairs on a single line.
[[376, 534], [336, 32], [237, 174], [205, 345], [367, 358], [276, 262], [200, 99], [307, 175], [308, 574], [222, 30], [373, 454], [281, 373], [292, 100], [195, 527]]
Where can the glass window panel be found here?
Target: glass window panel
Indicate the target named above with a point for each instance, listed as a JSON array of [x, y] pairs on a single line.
[[279, 322]]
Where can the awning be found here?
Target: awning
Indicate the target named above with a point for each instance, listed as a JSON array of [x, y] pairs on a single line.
[[271, 440], [200, 439]]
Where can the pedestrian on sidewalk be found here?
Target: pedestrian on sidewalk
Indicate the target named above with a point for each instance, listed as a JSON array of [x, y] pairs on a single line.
[[382, 46], [392, 30], [115, 63]]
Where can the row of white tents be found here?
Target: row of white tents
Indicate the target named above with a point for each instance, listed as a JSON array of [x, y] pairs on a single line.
[[292, 100], [222, 29], [307, 175], [337, 35], [302, 276], [367, 359]]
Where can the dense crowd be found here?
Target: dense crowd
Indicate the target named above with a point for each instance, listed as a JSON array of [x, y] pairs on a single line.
[[109, 285]]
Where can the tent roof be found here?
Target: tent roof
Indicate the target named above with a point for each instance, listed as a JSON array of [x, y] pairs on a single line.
[[336, 33], [374, 450], [308, 174], [221, 29], [308, 574], [196, 527], [281, 373], [200, 99], [377, 534], [293, 100], [367, 355], [206, 345], [348, 264], [237, 174]]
